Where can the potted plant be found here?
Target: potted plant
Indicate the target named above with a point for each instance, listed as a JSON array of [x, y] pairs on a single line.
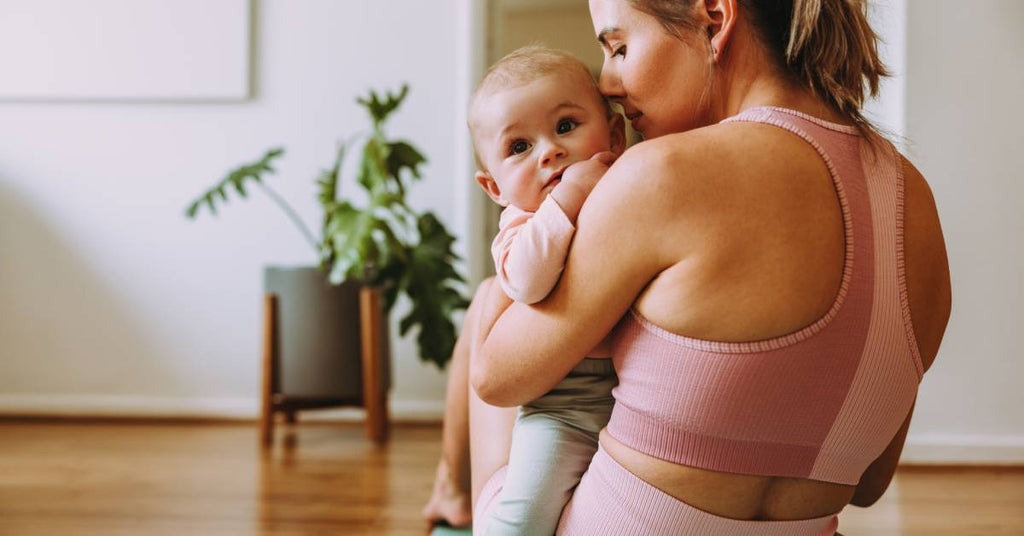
[[384, 244]]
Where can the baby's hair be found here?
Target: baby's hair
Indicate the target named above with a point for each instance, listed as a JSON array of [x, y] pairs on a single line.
[[528, 64]]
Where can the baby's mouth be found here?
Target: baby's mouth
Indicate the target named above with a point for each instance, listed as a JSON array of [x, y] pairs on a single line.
[[555, 179]]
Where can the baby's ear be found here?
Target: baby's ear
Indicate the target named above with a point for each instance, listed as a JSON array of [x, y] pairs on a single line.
[[617, 129], [489, 185]]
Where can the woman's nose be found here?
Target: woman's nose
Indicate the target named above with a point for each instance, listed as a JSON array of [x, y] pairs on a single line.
[[609, 84]]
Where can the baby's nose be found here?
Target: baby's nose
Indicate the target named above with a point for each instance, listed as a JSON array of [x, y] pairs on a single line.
[[552, 152]]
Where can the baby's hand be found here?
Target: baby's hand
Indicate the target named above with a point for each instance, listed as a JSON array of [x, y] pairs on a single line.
[[585, 174], [578, 181]]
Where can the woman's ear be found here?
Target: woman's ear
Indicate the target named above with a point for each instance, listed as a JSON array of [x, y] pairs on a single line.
[[617, 131], [489, 185], [721, 21]]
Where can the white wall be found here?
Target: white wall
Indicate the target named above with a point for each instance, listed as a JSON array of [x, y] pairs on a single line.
[[887, 111], [965, 111], [112, 302]]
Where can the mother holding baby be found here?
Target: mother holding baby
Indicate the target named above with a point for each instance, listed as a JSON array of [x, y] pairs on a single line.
[[771, 270]]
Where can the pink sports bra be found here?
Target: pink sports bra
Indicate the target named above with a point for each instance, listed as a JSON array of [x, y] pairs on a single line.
[[821, 403]]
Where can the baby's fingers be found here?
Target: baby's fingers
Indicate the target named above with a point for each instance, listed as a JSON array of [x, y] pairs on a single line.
[[605, 157]]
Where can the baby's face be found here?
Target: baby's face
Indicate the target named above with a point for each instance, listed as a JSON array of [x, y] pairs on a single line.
[[527, 135]]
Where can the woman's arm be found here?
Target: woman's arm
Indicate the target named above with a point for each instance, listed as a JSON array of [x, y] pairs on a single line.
[[617, 251], [929, 294], [878, 475]]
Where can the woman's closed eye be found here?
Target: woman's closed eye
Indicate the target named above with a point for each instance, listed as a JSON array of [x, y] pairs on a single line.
[[621, 51]]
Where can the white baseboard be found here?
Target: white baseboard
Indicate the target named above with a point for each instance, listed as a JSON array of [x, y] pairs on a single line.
[[954, 449], [147, 407], [920, 449]]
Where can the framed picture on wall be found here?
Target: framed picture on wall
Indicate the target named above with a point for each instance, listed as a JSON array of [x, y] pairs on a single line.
[[164, 50]]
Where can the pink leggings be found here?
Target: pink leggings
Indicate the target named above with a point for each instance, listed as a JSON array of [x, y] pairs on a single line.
[[612, 501]]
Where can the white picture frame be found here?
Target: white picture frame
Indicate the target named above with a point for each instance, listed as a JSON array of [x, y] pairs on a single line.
[[151, 50]]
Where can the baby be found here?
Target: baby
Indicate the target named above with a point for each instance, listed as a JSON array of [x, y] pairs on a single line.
[[536, 112]]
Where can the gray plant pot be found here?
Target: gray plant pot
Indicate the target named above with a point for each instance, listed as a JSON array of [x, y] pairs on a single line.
[[318, 335]]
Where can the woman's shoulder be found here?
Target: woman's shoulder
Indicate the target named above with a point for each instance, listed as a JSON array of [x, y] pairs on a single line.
[[661, 184], [674, 161], [698, 188], [669, 171], [717, 161], [681, 145], [708, 148]]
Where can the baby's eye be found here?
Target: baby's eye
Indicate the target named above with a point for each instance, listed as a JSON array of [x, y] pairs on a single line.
[[566, 125], [518, 147]]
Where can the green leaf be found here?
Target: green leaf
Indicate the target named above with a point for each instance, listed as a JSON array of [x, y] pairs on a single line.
[[236, 178], [328, 179], [430, 283], [347, 228], [327, 195], [393, 201], [381, 109], [401, 156], [372, 174]]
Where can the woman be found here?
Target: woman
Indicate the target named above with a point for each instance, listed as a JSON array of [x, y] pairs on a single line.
[[779, 272]]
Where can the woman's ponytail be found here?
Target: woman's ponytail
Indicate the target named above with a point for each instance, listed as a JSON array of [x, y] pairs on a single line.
[[832, 49]]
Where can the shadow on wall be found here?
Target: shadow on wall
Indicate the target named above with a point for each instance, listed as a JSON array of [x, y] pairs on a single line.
[[63, 330]]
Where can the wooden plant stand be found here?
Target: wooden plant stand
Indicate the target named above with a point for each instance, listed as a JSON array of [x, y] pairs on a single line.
[[375, 397]]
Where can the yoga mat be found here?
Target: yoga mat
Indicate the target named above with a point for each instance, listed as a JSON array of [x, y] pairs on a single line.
[[449, 531]]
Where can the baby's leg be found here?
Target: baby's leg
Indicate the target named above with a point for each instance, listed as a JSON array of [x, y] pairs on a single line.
[[554, 439], [547, 460]]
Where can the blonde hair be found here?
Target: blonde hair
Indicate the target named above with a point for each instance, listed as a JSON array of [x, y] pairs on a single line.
[[528, 64], [827, 45]]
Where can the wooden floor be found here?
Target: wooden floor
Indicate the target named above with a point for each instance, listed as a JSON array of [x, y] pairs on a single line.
[[112, 479]]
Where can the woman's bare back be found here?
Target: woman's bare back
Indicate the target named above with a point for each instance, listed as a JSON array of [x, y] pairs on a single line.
[[771, 266]]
